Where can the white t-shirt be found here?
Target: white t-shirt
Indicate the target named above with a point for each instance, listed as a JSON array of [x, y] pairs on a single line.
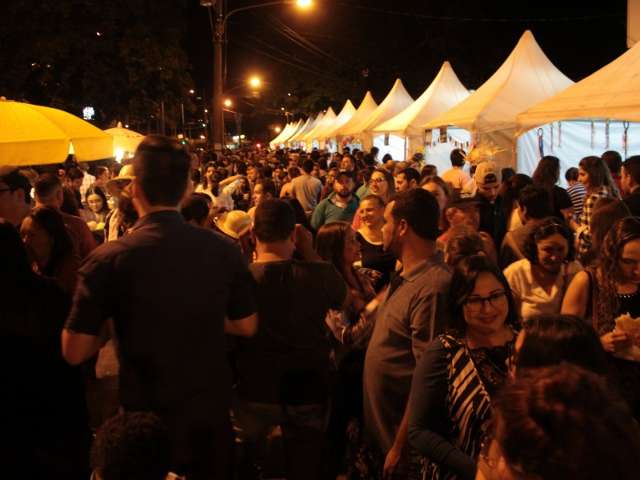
[[530, 297], [456, 177]]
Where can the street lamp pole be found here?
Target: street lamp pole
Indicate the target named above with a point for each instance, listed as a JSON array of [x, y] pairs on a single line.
[[218, 25]]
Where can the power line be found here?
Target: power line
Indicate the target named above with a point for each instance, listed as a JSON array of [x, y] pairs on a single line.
[[481, 19]]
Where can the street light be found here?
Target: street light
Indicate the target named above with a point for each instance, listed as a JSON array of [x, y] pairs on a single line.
[[255, 82], [277, 129], [216, 14], [228, 103]]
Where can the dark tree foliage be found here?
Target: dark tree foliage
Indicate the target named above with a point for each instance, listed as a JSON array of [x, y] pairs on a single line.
[[123, 57]]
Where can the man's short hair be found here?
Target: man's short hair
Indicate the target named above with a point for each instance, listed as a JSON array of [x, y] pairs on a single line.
[[274, 221], [410, 173], [571, 175], [632, 167], [613, 161], [162, 167], [307, 166], [536, 200], [46, 185], [74, 173], [15, 180], [133, 445], [457, 157], [420, 210]]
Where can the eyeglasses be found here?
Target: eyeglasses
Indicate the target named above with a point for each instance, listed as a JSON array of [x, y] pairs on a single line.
[[476, 303], [378, 180]]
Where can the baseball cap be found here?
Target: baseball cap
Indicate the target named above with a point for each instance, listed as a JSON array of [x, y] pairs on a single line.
[[487, 172]]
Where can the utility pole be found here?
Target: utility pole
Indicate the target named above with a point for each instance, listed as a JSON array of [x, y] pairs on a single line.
[[217, 114]]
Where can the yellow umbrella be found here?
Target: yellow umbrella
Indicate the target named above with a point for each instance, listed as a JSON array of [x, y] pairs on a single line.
[[124, 140], [36, 135]]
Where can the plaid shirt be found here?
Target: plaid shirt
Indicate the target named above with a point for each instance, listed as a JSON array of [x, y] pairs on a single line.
[[584, 233]]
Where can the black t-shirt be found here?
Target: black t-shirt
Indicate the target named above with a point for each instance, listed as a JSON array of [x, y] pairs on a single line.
[[560, 200], [287, 361], [168, 286], [374, 257]]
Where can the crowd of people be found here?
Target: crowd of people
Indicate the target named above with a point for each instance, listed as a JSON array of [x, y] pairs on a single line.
[[314, 315]]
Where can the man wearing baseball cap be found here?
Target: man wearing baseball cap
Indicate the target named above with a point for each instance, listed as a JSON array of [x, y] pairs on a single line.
[[492, 217]]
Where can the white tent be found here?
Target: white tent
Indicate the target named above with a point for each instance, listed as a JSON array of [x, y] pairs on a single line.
[[286, 132], [444, 92], [613, 92], [365, 110], [396, 100], [525, 78], [347, 112], [313, 137], [310, 125]]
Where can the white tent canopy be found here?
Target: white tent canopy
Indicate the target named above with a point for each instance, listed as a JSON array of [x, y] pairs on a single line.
[[525, 78], [366, 109], [445, 92], [316, 133], [613, 92], [396, 100], [347, 112], [286, 132], [310, 125]]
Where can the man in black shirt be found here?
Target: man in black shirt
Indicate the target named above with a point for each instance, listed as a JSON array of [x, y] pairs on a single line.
[[630, 183], [283, 372], [492, 216], [173, 291]]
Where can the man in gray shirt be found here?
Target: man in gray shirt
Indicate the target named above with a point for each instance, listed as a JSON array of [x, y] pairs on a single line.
[[306, 188], [412, 313]]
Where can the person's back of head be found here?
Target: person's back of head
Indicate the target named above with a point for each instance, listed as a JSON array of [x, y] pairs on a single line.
[[131, 446], [613, 161], [293, 172], [564, 422], [571, 175], [463, 242], [457, 157], [632, 168], [195, 209], [553, 339], [330, 243], [420, 210], [507, 174], [429, 171], [274, 221], [535, 202], [48, 189], [15, 264], [307, 166], [74, 173], [547, 172], [161, 168]]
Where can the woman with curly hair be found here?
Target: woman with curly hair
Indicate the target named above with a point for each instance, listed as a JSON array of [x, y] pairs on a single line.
[[557, 423], [540, 280], [608, 290]]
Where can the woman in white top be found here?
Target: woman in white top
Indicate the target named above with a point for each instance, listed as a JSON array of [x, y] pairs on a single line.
[[540, 280]]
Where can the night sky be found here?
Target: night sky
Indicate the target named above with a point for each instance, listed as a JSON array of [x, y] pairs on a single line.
[[350, 46]]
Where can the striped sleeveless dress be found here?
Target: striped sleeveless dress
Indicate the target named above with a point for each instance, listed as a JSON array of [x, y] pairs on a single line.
[[473, 377]]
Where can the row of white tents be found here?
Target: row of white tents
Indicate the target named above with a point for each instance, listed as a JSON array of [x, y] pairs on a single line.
[[526, 108]]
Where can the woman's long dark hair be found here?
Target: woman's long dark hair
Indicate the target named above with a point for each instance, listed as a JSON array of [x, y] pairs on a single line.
[[330, 241], [51, 221], [553, 339], [463, 282], [547, 172]]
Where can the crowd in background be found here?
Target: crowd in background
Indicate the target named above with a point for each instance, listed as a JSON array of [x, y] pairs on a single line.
[[289, 314]]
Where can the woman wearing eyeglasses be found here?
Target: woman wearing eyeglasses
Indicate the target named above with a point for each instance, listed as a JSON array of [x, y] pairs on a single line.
[[540, 280], [460, 372]]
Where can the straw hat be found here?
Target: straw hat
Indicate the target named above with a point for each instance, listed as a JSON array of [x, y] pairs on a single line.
[[119, 183], [234, 223]]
